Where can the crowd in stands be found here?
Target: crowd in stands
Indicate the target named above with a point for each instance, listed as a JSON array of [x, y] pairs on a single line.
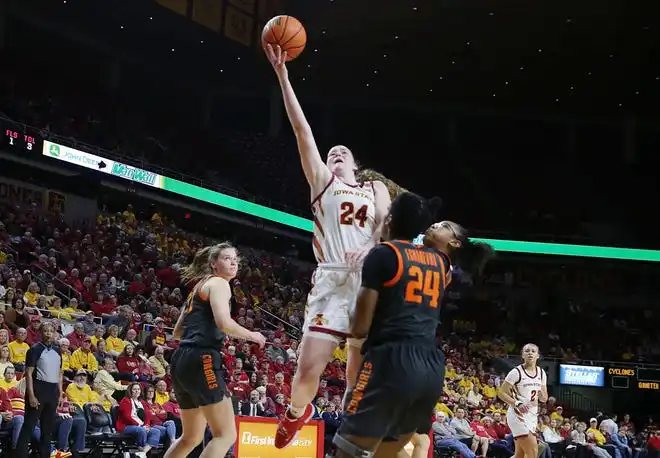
[[114, 291]]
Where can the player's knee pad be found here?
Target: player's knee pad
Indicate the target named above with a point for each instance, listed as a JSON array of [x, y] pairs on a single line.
[[350, 448]]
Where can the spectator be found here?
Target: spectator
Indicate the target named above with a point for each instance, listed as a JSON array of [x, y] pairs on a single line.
[[4, 358], [160, 366], [79, 392], [32, 294], [128, 363], [91, 328], [253, 407], [268, 403], [100, 354], [101, 397], [104, 379], [134, 418], [8, 378], [83, 358], [653, 444], [464, 431], [278, 387], [331, 420], [159, 416], [557, 415], [445, 435], [474, 397], [113, 343], [620, 441], [340, 353], [162, 395], [275, 350], [598, 437], [97, 336], [77, 337], [17, 317], [18, 349], [33, 332]]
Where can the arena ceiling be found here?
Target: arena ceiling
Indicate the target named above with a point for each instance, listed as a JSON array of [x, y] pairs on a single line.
[[569, 56], [565, 56]]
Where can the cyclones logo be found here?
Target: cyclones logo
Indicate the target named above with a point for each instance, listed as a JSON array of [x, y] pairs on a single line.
[[319, 320]]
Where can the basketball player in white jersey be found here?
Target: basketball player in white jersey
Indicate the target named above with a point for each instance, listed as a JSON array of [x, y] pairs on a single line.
[[523, 388], [348, 219]]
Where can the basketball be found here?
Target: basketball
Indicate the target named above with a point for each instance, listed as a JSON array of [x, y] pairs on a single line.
[[286, 31]]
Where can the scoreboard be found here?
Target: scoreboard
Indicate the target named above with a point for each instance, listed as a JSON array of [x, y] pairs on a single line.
[[633, 377], [19, 139]]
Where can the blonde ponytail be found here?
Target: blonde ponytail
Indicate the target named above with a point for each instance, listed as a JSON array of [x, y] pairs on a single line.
[[365, 175], [200, 266]]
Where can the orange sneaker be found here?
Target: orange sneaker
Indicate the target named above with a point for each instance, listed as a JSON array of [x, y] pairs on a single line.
[[288, 427]]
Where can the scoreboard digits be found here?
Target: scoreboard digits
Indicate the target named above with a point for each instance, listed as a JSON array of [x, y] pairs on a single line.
[[18, 138], [640, 378]]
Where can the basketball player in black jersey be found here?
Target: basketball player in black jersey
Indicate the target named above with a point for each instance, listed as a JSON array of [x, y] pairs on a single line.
[[196, 366], [398, 311]]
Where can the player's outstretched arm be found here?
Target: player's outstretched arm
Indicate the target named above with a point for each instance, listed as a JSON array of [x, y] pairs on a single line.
[[316, 172], [219, 295]]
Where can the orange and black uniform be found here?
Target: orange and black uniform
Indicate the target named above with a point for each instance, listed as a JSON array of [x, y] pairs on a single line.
[[402, 371], [196, 366]]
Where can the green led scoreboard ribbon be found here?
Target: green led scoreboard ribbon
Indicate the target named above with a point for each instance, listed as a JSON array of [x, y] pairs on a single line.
[[134, 174], [513, 246]]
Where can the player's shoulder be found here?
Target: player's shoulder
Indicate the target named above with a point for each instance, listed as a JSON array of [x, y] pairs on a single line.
[[215, 282], [378, 186]]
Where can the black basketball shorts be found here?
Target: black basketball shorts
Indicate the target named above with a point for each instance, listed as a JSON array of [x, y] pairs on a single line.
[[396, 391], [197, 377]]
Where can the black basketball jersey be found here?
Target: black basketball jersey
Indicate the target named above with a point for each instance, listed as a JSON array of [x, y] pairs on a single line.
[[199, 328], [409, 298]]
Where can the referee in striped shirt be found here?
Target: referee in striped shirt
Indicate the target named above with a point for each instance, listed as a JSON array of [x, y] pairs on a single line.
[[43, 389]]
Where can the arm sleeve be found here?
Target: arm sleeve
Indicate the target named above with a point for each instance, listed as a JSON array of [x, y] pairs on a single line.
[[380, 266], [33, 355]]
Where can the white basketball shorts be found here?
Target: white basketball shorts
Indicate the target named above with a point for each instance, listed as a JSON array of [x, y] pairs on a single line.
[[331, 301], [521, 426]]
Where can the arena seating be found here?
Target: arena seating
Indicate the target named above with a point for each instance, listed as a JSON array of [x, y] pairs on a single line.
[[135, 296]]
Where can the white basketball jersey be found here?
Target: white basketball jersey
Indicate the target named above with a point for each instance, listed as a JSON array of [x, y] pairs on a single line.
[[344, 220], [528, 386]]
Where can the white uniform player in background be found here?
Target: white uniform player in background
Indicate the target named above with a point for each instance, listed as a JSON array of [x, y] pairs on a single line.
[[523, 388], [348, 218]]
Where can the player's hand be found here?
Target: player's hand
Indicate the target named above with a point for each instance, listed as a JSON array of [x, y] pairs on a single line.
[[258, 338], [277, 59]]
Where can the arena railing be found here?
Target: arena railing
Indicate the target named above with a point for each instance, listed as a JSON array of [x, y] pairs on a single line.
[[48, 314], [152, 167], [47, 277], [295, 332]]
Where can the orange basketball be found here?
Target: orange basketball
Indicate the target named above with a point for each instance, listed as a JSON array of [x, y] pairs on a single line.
[[286, 31]]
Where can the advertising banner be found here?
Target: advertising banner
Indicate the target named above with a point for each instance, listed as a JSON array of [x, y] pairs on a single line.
[[571, 374], [255, 439]]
